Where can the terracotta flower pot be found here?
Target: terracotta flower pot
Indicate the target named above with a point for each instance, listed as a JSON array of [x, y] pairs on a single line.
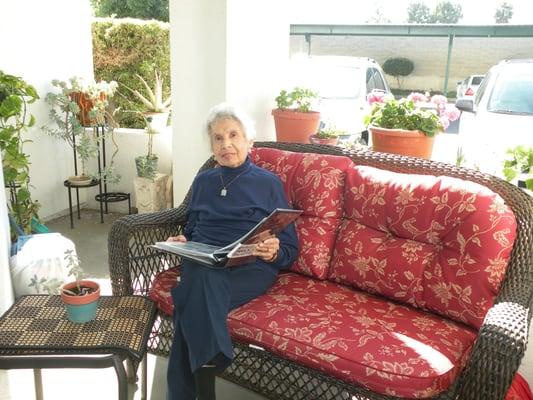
[[86, 105], [316, 140], [399, 141], [293, 126], [81, 309]]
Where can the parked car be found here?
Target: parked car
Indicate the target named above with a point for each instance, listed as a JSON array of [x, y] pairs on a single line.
[[469, 86], [499, 116], [342, 84]]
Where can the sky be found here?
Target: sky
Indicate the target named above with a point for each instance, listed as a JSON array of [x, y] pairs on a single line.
[[475, 12]]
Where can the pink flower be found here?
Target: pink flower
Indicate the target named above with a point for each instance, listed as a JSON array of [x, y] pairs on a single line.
[[439, 99], [377, 96], [452, 112], [417, 97], [444, 121]]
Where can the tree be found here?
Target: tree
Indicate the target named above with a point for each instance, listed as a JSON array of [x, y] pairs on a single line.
[[378, 17], [398, 67], [447, 13], [504, 13], [142, 9], [418, 13]]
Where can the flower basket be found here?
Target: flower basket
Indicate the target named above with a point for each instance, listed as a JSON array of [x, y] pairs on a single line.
[[403, 142]]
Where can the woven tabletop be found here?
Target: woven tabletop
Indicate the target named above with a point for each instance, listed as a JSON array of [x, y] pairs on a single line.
[[38, 324]]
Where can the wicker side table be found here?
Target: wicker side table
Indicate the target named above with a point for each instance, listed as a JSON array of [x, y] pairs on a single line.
[[35, 333]]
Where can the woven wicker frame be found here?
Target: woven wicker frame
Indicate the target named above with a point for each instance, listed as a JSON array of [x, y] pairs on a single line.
[[497, 352]]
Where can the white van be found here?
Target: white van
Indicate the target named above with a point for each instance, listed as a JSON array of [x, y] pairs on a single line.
[[342, 84]]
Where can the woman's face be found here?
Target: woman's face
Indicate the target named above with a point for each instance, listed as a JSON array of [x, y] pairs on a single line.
[[228, 142]]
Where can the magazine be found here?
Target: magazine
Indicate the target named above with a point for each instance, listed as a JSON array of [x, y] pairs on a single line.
[[236, 253]]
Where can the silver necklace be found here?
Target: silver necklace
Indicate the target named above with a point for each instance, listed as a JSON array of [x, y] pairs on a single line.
[[224, 189]]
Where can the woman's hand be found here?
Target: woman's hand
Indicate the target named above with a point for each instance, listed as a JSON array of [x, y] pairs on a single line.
[[179, 238], [267, 249]]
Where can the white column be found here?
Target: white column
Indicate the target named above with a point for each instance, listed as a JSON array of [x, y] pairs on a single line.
[[222, 50]]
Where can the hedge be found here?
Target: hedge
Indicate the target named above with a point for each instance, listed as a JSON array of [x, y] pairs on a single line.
[[125, 47]]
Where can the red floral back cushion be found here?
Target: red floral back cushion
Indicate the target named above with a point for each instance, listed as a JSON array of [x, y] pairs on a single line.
[[436, 243], [315, 184]]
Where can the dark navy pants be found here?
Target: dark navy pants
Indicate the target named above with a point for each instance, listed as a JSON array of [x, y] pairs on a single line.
[[202, 301]]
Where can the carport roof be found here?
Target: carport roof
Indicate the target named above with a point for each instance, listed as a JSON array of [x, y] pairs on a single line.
[[415, 30]]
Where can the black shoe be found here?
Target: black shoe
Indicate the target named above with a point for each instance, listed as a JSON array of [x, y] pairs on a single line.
[[204, 378]]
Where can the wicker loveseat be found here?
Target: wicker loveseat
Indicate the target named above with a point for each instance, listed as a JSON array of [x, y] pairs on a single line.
[[415, 279]]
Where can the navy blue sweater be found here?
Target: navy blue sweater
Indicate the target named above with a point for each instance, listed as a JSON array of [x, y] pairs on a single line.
[[220, 220]]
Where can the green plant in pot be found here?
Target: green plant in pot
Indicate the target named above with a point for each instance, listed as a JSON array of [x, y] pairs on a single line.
[[326, 134], [155, 109], [147, 164], [67, 119], [294, 118], [518, 166], [155, 112], [408, 126], [15, 95], [81, 295]]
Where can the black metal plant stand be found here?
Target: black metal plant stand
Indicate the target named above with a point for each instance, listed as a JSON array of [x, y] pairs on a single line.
[[107, 197], [103, 197]]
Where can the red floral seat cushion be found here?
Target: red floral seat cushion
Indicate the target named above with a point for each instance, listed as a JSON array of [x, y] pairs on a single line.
[[436, 243], [159, 292], [386, 347], [315, 184]]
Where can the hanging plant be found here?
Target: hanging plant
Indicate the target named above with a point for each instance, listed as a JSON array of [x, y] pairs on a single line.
[[15, 95]]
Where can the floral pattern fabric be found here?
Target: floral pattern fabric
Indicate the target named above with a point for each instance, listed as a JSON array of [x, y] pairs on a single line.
[[436, 243], [357, 337], [315, 184]]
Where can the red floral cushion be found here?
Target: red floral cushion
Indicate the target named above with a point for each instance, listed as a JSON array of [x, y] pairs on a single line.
[[436, 243], [366, 340], [315, 184], [159, 292]]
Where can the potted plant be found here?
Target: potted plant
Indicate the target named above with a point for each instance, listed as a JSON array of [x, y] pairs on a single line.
[[518, 165], [293, 117], [79, 296], [69, 117], [147, 164], [326, 135], [408, 126], [156, 110], [15, 95]]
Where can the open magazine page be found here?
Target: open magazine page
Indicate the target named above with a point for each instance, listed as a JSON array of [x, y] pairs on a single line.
[[238, 252]]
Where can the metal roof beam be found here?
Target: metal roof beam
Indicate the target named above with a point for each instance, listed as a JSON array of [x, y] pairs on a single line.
[[428, 30]]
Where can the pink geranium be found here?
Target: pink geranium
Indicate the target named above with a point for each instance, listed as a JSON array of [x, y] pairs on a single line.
[[377, 96]]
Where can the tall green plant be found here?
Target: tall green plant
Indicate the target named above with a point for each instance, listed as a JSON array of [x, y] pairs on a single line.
[[15, 95]]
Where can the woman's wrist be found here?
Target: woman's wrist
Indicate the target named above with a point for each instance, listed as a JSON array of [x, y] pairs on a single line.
[[274, 257]]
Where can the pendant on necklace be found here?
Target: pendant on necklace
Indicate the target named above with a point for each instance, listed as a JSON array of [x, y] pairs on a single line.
[[223, 192]]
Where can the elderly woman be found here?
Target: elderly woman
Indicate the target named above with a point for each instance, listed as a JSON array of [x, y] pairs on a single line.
[[226, 202]]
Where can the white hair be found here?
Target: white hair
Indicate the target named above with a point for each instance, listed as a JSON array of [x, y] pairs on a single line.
[[228, 111]]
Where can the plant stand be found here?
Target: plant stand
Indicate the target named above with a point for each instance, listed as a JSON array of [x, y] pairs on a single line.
[[150, 194], [107, 197]]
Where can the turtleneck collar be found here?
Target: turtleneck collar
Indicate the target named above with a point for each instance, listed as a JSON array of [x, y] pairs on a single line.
[[237, 170]]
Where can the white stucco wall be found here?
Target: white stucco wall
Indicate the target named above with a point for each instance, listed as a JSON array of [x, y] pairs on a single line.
[[222, 50], [45, 40]]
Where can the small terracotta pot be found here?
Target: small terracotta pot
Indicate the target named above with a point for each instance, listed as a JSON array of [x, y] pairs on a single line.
[[399, 141], [293, 126], [316, 140], [81, 309]]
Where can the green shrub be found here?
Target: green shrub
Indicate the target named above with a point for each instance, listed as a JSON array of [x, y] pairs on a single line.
[[125, 47], [398, 67]]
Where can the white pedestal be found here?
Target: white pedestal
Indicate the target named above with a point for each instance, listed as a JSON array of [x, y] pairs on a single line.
[[151, 195]]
